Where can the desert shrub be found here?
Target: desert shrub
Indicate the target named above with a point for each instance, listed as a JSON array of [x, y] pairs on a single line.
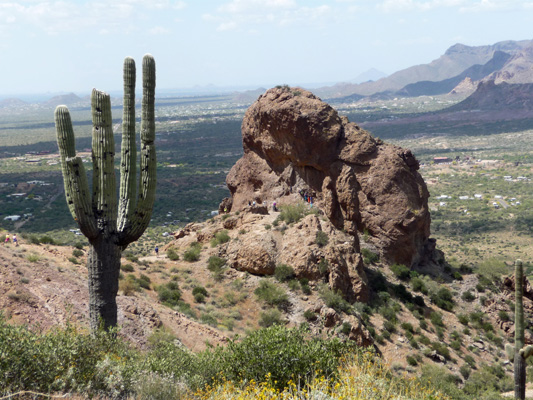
[[78, 245], [209, 319], [200, 290], [283, 354], [272, 294], [284, 272], [418, 285], [32, 257], [215, 264], [401, 292], [169, 293], [304, 284], [503, 315], [408, 327], [388, 313], [270, 317], [463, 318], [144, 281], [411, 361], [220, 237], [291, 213], [401, 271], [492, 269], [334, 299], [310, 315], [46, 240], [346, 328], [468, 296], [436, 319], [193, 253], [465, 371], [321, 239], [127, 287], [369, 257], [172, 254], [74, 260], [443, 298], [127, 268], [389, 326], [441, 349], [77, 253], [323, 266], [457, 276]]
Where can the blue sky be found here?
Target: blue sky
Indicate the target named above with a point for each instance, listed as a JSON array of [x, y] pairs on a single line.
[[53, 46]]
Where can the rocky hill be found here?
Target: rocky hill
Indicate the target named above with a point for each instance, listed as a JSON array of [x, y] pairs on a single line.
[[345, 250], [452, 63]]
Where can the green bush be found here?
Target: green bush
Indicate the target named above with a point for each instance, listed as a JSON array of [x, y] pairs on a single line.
[[401, 271], [369, 257], [310, 315], [334, 299], [215, 263], [272, 294], [127, 268], [436, 319], [77, 253], [418, 285], [291, 213], [200, 290], [321, 239], [443, 298], [172, 254], [269, 318], [411, 361], [193, 253], [284, 272], [283, 354], [468, 296], [220, 237], [169, 294]]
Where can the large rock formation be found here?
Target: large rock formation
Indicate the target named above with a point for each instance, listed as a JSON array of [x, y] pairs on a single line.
[[295, 142]]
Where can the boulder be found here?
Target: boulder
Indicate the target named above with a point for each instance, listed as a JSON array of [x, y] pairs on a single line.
[[294, 144]]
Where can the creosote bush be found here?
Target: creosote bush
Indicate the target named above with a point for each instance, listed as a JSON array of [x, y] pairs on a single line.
[[369, 257], [172, 255], [220, 237], [284, 272], [321, 239], [272, 294], [193, 253]]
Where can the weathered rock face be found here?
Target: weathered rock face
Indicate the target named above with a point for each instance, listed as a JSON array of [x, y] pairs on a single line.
[[295, 142]]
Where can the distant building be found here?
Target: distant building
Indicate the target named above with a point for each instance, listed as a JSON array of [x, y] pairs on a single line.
[[12, 218], [441, 160]]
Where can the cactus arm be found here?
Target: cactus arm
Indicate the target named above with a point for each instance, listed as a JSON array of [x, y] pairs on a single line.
[[80, 194], [526, 352], [66, 144], [509, 351], [128, 163], [147, 183], [103, 153]]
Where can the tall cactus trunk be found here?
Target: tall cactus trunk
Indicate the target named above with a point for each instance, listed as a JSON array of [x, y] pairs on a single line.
[[111, 227], [103, 264], [519, 361]]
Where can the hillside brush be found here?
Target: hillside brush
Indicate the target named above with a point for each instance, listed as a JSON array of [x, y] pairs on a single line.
[[110, 226], [519, 353]]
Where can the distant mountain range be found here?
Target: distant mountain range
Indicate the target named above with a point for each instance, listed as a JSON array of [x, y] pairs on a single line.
[[508, 61]]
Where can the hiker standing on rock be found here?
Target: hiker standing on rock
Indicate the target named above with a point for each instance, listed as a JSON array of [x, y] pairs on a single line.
[[7, 239], [156, 251], [15, 240]]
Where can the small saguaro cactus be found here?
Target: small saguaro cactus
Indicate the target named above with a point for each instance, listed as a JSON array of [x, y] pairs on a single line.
[[519, 353], [111, 227]]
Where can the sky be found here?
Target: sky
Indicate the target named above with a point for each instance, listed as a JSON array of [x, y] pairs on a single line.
[[73, 46]]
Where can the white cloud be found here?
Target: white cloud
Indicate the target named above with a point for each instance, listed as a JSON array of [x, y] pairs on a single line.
[[158, 30], [245, 13], [391, 6], [54, 17]]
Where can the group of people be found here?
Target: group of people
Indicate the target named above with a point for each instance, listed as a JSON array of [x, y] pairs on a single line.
[[306, 196], [8, 239]]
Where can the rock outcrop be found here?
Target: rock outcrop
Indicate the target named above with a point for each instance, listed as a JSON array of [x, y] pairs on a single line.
[[295, 143]]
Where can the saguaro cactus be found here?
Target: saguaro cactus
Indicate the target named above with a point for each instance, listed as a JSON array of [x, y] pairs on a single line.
[[109, 227], [519, 353]]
